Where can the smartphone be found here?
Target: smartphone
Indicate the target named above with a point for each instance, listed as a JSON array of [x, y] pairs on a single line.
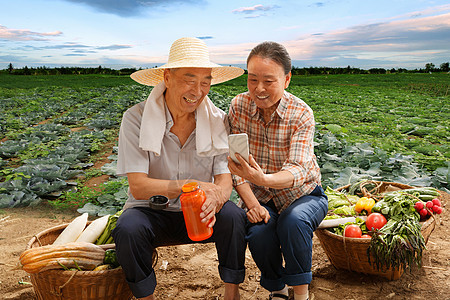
[[238, 143]]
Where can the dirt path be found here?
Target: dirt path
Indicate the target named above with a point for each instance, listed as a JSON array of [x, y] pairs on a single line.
[[190, 271]]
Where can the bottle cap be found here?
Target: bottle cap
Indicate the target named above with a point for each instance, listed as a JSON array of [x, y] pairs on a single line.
[[158, 202], [190, 187]]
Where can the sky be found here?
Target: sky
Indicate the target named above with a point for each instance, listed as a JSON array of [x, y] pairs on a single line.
[[138, 33]]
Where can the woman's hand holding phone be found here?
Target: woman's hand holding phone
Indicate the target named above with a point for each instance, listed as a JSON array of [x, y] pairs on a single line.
[[250, 171]]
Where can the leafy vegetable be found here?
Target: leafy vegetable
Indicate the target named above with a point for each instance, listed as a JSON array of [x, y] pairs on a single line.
[[105, 237], [398, 244], [345, 211], [399, 205], [337, 199]]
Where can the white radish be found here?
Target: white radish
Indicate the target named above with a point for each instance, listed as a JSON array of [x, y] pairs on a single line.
[[72, 231], [339, 221], [94, 230]]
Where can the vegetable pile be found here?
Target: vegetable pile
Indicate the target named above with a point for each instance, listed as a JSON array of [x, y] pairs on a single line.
[[76, 255], [76, 248], [392, 222], [105, 237]]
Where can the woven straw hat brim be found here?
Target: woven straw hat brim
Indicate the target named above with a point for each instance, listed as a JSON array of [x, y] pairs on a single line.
[[154, 76], [187, 53]]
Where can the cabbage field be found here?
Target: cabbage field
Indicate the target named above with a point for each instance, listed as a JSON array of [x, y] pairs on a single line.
[[391, 127]]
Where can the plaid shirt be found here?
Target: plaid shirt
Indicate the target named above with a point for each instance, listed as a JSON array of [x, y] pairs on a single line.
[[285, 143]]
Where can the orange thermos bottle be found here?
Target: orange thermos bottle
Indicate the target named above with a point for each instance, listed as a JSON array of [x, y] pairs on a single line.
[[192, 200]]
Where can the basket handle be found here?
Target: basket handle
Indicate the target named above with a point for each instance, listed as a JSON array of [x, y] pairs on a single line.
[[38, 240], [346, 254], [58, 292]]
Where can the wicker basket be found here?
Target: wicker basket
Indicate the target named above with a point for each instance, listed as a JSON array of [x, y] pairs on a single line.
[[351, 253], [76, 285]]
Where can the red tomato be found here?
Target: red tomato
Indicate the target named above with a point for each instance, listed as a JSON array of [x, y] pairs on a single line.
[[352, 231], [375, 221], [366, 236]]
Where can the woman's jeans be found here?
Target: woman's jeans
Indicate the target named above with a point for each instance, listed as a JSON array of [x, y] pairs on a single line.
[[140, 230], [287, 235]]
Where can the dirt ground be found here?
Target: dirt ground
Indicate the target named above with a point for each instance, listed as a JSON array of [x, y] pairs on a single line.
[[190, 271]]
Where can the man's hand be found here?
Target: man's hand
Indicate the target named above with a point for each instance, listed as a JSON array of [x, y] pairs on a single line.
[[258, 214], [215, 199]]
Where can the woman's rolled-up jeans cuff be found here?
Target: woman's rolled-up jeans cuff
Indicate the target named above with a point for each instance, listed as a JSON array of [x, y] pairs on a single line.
[[145, 287], [298, 279], [231, 276]]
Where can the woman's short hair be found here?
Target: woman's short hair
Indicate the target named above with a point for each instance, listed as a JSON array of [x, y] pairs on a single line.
[[273, 51]]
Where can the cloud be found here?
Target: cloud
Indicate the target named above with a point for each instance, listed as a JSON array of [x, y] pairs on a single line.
[[74, 54], [424, 32], [78, 48], [114, 47], [398, 41], [253, 9], [84, 51], [13, 58], [65, 46], [67, 50], [68, 45], [407, 41], [128, 8], [25, 34], [434, 10], [255, 16]]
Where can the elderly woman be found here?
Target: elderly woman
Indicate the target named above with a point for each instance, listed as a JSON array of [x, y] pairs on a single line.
[[280, 184]]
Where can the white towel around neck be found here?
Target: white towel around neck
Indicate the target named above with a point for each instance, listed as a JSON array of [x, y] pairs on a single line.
[[210, 130]]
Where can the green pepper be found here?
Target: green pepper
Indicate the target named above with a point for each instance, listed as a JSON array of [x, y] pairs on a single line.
[[381, 207], [111, 258]]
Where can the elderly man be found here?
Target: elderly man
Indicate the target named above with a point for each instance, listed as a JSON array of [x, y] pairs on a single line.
[[177, 136]]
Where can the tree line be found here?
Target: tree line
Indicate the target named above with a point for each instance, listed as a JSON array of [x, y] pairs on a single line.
[[67, 71], [429, 67]]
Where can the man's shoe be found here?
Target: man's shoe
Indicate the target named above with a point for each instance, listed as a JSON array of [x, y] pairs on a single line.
[[277, 296]]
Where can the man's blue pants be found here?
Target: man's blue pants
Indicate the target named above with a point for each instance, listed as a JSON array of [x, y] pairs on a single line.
[[140, 230]]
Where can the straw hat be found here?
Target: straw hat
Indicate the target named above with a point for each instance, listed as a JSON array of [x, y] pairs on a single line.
[[187, 53]]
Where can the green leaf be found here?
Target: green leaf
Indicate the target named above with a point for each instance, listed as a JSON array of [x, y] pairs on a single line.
[[108, 210], [336, 129], [89, 208], [106, 199]]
